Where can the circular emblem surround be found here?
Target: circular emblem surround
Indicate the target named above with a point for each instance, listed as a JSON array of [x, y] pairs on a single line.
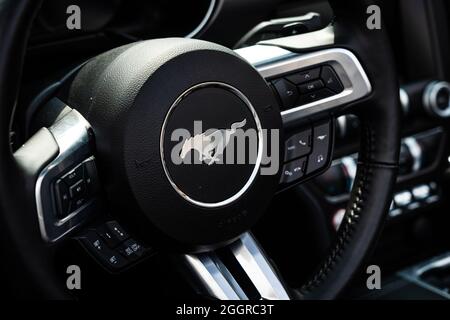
[[198, 134]]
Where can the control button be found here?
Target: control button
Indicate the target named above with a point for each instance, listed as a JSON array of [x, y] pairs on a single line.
[[403, 199], [298, 145], [304, 76], [421, 192], [91, 177], [331, 80], [321, 148], [62, 198], [131, 249], [287, 92], [97, 247], [310, 86], [315, 96], [77, 203], [74, 176], [293, 171], [78, 189], [112, 233], [117, 231]]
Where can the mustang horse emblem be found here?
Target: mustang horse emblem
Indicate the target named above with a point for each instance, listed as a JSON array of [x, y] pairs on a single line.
[[210, 146]]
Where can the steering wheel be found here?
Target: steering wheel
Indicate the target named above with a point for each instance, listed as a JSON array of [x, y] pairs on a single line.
[[112, 127]]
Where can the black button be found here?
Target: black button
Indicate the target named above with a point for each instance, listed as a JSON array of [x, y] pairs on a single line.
[[78, 190], [304, 76], [331, 80], [298, 145], [74, 176], [287, 92], [77, 203], [315, 96], [131, 249], [321, 147], [91, 177], [94, 243], [62, 198], [117, 231], [293, 171], [112, 233], [310, 86]]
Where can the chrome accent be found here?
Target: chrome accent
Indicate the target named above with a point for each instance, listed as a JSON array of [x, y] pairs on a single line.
[[215, 277], [414, 274], [217, 281], [342, 124], [404, 101], [205, 20], [276, 22], [72, 136], [430, 99], [416, 152], [352, 75], [308, 40], [258, 269], [258, 158]]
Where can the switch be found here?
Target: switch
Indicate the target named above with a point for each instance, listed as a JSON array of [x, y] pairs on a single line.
[[293, 171], [131, 249], [310, 86], [298, 145], [108, 257], [287, 92], [315, 96], [78, 189], [304, 76], [321, 145], [331, 80], [62, 198]]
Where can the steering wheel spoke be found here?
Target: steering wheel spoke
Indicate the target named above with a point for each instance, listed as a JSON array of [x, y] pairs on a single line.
[[240, 271], [66, 189]]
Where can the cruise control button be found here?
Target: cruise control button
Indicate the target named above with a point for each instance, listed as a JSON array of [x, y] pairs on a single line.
[[310, 86], [304, 76], [117, 230], [293, 171], [287, 92], [331, 80], [315, 96], [321, 148], [298, 145]]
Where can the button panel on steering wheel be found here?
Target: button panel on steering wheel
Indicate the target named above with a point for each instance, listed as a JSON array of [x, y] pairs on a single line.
[[307, 153]]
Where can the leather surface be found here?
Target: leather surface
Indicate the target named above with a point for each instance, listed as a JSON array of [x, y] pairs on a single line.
[[380, 116], [33, 275]]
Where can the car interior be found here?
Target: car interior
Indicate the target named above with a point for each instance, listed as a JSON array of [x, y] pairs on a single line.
[[344, 196]]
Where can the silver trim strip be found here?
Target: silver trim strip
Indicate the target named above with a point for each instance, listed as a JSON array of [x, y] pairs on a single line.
[[414, 274], [217, 281], [205, 20], [416, 152], [258, 158], [351, 73], [215, 277], [258, 269]]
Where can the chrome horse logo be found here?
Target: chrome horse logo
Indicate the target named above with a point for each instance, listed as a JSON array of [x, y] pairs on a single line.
[[210, 146]]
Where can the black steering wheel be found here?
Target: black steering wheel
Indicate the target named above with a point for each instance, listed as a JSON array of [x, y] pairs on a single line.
[[109, 137]]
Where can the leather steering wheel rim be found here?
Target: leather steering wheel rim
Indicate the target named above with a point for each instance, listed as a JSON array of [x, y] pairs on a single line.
[[377, 165]]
